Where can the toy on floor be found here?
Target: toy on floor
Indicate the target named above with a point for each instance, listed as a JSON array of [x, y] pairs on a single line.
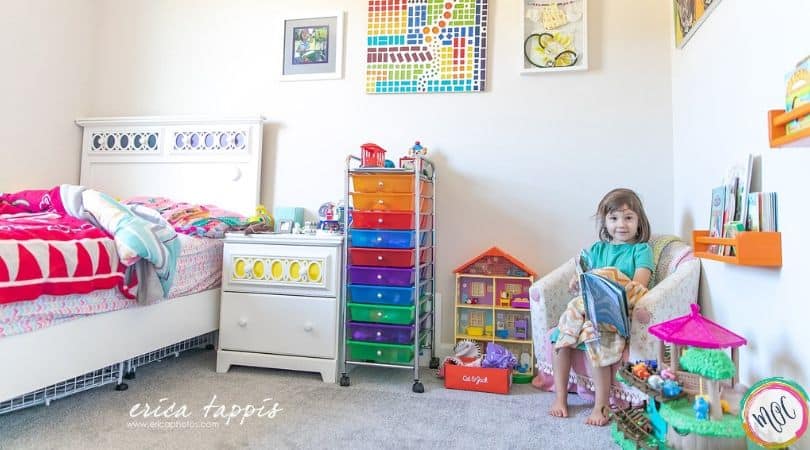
[[498, 357], [466, 353]]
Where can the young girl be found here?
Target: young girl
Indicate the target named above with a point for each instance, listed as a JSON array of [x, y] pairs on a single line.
[[623, 234]]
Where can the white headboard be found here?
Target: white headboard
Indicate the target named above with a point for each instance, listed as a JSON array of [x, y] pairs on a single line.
[[196, 160]]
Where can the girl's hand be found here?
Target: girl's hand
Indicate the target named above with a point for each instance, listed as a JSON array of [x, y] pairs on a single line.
[[573, 285]]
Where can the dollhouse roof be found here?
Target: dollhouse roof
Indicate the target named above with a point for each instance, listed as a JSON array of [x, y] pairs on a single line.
[[495, 251], [696, 331]]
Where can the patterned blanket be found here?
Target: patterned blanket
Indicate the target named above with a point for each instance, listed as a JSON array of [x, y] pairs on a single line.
[[576, 329]]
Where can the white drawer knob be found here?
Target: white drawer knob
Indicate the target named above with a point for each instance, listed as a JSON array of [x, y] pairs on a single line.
[[379, 277], [379, 294], [380, 220], [308, 327], [242, 323], [379, 314], [380, 184], [379, 333], [379, 258], [381, 201], [379, 238], [379, 352]]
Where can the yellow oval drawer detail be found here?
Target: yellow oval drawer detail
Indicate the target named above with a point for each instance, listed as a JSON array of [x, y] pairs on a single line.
[[239, 268], [277, 270], [258, 269], [295, 271], [314, 272]]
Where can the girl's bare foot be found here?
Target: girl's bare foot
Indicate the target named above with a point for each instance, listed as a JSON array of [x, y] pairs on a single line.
[[600, 416], [559, 408]]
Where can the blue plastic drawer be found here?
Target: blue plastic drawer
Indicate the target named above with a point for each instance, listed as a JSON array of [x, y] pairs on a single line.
[[386, 239], [381, 295]]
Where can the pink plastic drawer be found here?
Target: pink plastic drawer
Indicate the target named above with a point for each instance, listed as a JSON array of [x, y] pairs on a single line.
[[387, 257], [389, 220]]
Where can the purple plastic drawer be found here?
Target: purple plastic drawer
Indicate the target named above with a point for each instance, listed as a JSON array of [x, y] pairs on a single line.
[[377, 332], [381, 276]]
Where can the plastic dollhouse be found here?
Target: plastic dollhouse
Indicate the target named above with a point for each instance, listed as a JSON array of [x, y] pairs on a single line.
[[492, 292], [686, 386]]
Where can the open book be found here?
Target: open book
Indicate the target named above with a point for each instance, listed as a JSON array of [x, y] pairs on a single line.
[[605, 300]]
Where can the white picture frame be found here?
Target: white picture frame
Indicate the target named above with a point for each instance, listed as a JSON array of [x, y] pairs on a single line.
[[319, 55], [567, 35]]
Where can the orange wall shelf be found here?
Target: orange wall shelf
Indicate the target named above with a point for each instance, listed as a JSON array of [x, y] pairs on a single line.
[[751, 248], [778, 136]]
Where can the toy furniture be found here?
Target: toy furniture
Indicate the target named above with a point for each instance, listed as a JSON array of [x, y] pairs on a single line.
[[389, 270], [696, 418], [675, 286], [494, 278], [280, 299], [372, 155]]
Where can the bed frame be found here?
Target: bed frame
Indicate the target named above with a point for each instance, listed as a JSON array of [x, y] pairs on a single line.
[[199, 160]]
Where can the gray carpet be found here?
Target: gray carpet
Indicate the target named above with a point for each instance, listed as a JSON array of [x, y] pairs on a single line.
[[377, 411]]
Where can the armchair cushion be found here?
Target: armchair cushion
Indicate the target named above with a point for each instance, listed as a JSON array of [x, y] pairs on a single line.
[[677, 274]]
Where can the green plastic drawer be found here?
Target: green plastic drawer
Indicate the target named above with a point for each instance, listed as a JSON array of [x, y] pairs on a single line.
[[395, 315], [381, 353]]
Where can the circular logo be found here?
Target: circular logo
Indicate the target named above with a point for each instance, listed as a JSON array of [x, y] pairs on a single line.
[[774, 412]]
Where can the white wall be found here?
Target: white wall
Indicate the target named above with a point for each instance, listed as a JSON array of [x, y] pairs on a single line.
[[521, 166], [46, 48], [723, 83]]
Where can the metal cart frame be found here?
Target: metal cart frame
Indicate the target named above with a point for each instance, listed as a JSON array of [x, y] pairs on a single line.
[[420, 165]]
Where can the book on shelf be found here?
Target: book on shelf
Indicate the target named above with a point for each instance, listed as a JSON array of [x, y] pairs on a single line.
[[716, 215], [752, 223], [762, 212], [730, 231]]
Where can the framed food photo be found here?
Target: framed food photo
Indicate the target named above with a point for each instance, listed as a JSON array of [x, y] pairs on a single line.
[[313, 48], [689, 16], [555, 36]]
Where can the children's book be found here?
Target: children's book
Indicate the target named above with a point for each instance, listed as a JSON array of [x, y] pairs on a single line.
[[716, 215], [605, 302], [753, 212]]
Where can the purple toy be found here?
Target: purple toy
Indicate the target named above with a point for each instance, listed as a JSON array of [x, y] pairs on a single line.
[[498, 357]]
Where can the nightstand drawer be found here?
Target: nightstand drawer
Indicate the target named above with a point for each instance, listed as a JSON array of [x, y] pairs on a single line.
[[299, 326], [281, 269]]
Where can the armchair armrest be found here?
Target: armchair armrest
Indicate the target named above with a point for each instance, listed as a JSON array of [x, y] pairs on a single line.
[[667, 300], [549, 295]]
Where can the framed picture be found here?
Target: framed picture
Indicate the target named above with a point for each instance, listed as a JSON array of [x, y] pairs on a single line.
[[285, 226], [689, 16], [555, 36], [313, 48]]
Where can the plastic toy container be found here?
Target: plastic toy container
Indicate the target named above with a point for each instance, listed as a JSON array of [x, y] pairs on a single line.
[[377, 352], [381, 295], [386, 239], [388, 202], [387, 257], [395, 315], [389, 183], [389, 334], [385, 276], [389, 220]]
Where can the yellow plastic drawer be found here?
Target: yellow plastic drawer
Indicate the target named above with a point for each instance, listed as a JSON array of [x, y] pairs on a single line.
[[389, 183], [388, 202]]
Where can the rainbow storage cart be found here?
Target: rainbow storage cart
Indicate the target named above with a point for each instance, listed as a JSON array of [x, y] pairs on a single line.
[[389, 285]]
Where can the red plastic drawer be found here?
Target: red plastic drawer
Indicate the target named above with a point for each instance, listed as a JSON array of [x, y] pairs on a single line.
[[389, 220], [381, 257]]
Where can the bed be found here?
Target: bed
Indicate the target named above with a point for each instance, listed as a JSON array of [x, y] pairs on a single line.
[[198, 160]]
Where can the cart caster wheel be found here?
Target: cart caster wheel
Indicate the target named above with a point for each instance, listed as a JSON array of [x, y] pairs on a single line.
[[121, 387], [434, 363], [418, 387], [129, 375], [344, 380]]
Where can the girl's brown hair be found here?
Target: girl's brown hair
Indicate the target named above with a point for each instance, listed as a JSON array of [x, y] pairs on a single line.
[[615, 200]]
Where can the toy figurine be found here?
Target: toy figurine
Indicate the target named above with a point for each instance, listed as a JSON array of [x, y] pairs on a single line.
[[261, 222], [641, 371], [417, 149], [655, 382], [701, 408], [671, 388]]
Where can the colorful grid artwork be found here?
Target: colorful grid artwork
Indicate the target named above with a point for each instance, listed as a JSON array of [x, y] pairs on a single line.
[[417, 46]]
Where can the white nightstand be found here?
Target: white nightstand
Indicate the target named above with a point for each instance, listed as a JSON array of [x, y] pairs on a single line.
[[280, 300]]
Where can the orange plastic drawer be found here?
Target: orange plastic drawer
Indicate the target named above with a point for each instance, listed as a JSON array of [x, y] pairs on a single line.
[[389, 183], [389, 220], [388, 202]]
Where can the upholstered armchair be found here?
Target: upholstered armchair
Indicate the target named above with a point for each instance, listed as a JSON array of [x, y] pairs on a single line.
[[674, 287]]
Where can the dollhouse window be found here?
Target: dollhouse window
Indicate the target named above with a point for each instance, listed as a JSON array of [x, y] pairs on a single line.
[[477, 289]]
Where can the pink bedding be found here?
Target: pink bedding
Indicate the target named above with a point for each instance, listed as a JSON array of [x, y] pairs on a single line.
[[45, 251]]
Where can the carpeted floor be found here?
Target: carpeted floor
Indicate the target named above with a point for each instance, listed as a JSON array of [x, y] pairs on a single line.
[[379, 410]]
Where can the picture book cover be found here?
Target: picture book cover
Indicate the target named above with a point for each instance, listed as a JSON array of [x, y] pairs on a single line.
[[605, 302], [716, 215]]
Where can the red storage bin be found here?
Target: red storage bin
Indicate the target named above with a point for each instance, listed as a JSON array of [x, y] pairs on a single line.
[[497, 381], [383, 257], [389, 220]]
